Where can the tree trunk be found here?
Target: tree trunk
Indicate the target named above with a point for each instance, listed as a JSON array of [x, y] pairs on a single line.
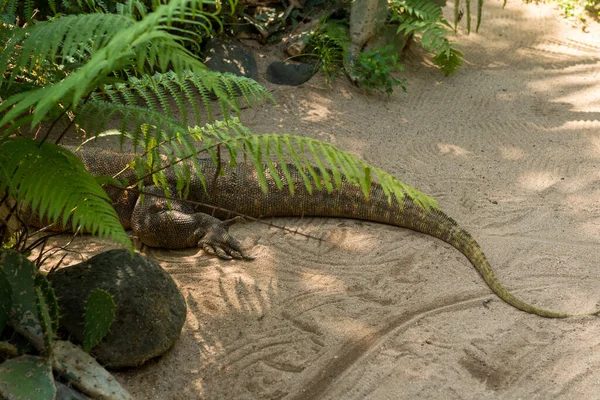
[[366, 17]]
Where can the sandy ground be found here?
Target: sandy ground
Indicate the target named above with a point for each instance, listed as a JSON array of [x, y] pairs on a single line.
[[510, 146]]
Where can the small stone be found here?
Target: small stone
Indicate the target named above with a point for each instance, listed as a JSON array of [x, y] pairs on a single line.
[[281, 73]]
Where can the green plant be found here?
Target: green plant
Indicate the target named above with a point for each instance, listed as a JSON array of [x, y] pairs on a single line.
[[424, 18], [111, 46], [29, 307], [329, 44], [577, 9], [330, 41], [30, 11], [374, 69]]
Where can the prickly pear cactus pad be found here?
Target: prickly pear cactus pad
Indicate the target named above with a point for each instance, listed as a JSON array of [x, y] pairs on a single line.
[[26, 377], [99, 315]]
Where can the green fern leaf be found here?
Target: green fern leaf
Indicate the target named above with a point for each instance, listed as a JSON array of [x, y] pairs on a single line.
[[320, 165], [157, 92], [305, 153], [55, 182], [425, 19], [449, 61], [64, 40], [135, 45], [479, 13]]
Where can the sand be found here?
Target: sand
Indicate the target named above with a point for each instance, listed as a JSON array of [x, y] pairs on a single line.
[[510, 146]]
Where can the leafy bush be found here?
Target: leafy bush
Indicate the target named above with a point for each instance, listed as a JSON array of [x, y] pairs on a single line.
[[374, 69]]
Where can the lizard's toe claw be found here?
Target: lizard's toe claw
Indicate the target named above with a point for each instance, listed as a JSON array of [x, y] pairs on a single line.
[[222, 254], [215, 251], [207, 249]]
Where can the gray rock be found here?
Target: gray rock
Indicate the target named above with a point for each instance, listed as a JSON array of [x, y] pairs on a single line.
[[230, 56], [281, 73], [150, 309]]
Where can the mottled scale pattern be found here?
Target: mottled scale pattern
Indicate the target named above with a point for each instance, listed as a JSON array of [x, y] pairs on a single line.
[[238, 189]]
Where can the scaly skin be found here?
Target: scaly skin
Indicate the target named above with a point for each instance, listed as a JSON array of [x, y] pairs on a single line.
[[238, 190]]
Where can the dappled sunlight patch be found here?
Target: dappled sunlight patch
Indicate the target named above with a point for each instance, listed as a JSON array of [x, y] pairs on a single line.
[[235, 289], [555, 49], [80, 249], [315, 281], [347, 328], [584, 202], [317, 109], [511, 153], [354, 146], [353, 239], [595, 143], [447, 148], [582, 85], [582, 182], [590, 228], [537, 180], [571, 87]]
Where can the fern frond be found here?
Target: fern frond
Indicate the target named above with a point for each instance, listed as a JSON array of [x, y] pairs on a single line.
[[65, 40], [8, 11], [28, 10], [52, 5], [135, 46], [424, 10], [425, 18], [320, 164], [163, 105], [135, 121], [311, 155], [449, 61], [54, 182], [428, 10]]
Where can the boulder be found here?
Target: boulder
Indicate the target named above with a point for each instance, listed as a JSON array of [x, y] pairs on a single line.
[[150, 310]]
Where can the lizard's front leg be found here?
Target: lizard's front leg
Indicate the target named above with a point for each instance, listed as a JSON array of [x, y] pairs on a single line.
[[178, 227]]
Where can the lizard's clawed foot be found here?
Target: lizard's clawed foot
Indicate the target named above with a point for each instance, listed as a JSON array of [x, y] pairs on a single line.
[[219, 242]]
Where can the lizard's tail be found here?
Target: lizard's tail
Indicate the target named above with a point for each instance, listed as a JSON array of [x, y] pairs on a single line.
[[241, 192], [463, 241], [445, 228]]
